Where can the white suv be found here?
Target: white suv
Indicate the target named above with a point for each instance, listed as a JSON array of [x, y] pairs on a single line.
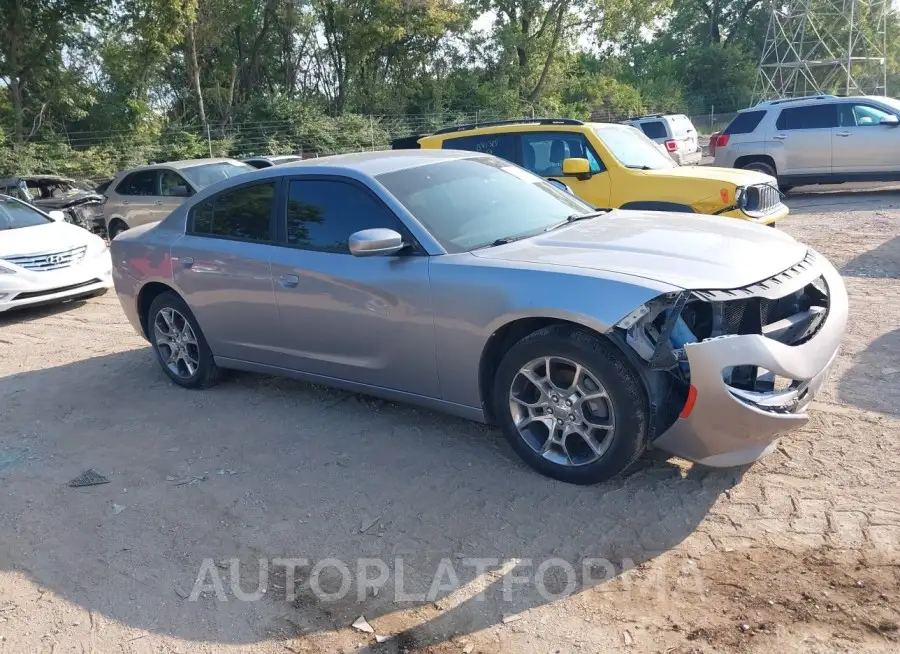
[[674, 132], [821, 139]]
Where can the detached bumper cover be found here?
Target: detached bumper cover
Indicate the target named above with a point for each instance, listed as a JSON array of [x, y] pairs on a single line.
[[728, 427]]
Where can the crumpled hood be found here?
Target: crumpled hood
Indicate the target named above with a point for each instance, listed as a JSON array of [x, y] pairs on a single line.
[[685, 250], [75, 198]]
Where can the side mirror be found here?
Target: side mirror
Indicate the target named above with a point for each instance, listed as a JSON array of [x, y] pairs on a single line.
[[180, 191], [574, 167], [57, 216], [375, 242], [891, 120]]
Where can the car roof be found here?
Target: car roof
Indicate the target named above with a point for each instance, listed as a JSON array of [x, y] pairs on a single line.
[[36, 178], [380, 161], [186, 163]]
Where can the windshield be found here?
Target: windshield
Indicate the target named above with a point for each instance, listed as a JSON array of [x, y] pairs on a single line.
[[15, 215], [632, 148], [470, 203], [206, 174], [893, 103]]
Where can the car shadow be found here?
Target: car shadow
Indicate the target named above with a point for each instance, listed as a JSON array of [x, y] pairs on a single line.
[[873, 381], [879, 262], [260, 468], [36, 312]]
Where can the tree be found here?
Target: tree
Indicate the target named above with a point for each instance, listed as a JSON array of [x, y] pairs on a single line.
[[32, 38]]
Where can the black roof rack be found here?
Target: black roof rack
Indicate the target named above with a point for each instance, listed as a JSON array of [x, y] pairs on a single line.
[[647, 116], [518, 121], [798, 99]]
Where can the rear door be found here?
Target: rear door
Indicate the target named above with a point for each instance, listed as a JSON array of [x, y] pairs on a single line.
[[221, 266], [804, 134], [499, 145], [861, 144]]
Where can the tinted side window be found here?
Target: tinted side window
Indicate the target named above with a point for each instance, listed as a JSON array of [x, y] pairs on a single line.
[[817, 116], [654, 129], [143, 182], [745, 123], [322, 214], [499, 145], [243, 214]]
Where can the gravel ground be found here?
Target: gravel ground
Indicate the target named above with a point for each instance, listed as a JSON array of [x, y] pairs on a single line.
[[798, 553]]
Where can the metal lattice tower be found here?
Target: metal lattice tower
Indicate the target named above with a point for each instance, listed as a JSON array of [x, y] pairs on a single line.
[[815, 47]]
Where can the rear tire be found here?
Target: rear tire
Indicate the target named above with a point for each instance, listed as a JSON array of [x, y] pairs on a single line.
[[582, 366], [762, 167], [179, 344]]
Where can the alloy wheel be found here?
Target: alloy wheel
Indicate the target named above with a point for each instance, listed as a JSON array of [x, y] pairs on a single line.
[[562, 411], [176, 343]]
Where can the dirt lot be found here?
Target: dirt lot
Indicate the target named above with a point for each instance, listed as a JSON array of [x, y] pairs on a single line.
[[798, 553]]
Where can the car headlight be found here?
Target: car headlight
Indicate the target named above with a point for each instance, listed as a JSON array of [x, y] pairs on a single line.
[[740, 197], [6, 271]]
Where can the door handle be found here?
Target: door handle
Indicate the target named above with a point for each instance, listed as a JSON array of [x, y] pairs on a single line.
[[125, 202], [842, 133], [159, 203], [187, 262], [289, 281], [780, 137]]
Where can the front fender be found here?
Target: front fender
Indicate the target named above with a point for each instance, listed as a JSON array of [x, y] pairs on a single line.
[[471, 304]]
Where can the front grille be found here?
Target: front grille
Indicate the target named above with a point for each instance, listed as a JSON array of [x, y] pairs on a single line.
[[49, 260], [761, 198], [52, 291]]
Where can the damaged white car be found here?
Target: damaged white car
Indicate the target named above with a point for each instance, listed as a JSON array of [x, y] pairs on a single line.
[[466, 284]]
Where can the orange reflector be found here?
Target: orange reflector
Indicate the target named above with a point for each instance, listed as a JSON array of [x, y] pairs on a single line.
[[723, 193], [689, 404]]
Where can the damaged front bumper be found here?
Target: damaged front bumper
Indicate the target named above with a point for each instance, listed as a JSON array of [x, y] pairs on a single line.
[[747, 389]]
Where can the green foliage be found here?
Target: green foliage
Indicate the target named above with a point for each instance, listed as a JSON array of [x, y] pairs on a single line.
[[89, 87]]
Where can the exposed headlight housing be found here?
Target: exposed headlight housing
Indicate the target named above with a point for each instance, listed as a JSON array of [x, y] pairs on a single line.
[[740, 197]]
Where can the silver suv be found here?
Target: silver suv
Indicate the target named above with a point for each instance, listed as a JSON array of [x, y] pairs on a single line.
[[821, 139], [676, 133], [150, 193]]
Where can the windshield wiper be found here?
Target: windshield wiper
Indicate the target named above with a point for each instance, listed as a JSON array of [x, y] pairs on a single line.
[[575, 217]]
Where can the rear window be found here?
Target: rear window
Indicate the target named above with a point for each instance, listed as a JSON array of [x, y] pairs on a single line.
[[817, 116], [745, 123], [654, 129]]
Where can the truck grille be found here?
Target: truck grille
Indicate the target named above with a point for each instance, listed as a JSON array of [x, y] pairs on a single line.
[[761, 198], [49, 260]]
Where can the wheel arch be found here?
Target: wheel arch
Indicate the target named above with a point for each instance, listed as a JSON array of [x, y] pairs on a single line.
[[503, 338], [653, 205], [747, 159], [149, 292]]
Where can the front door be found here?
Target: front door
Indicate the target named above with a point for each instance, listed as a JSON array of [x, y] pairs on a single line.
[[544, 152], [221, 267], [861, 144], [362, 319]]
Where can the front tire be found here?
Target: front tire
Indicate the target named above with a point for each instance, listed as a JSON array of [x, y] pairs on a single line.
[[571, 405], [179, 344]]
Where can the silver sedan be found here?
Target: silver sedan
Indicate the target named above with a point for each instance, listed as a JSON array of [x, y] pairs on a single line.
[[463, 283]]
